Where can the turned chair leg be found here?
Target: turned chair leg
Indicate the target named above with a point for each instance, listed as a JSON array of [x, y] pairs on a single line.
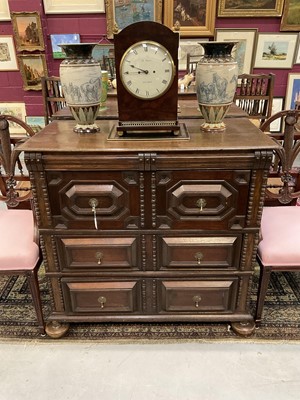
[[32, 277], [264, 280]]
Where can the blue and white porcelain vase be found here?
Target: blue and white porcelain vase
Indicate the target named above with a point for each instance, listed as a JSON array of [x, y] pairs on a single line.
[[216, 81], [80, 77]]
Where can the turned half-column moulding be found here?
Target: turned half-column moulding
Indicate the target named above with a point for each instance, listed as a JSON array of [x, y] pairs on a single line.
[[81, 83], [216, 81]]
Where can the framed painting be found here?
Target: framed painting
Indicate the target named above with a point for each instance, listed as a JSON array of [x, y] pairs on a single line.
[[191, 18], [297, 51], [4, 11], [246, 8], [191, 46], [290, 20], [8, 59], [275, 50], [121, 13], [57, 52], [277, 106], [73, 7], [292, 91], [36, 123], [17, 110], [243, 52], [32, 68], [28, 31], [100, 51]]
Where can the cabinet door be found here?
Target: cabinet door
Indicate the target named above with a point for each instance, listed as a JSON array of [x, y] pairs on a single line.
[[202, 199], [94, 200]]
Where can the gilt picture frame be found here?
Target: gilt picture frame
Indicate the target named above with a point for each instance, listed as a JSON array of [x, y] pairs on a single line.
[[120, 14], [32, 67], [28, 31], [243, 52], [8, 58], [244, 8], [275, 50], [190, 18], [73, 7], [15, 109], [4, 11], [290, 20]]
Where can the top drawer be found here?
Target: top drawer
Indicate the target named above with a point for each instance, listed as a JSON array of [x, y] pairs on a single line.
[[202, 199], [94, 199]]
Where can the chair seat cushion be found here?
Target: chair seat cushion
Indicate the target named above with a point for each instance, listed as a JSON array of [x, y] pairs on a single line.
[[17, 247], [280, 233]]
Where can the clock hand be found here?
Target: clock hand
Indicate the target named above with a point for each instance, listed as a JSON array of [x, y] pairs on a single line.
[[140, 69]]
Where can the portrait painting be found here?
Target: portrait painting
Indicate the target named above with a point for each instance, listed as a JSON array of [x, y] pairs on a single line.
[[28, 31]]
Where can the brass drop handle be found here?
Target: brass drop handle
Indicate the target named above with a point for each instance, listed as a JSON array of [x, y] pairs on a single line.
[[94, 203], [196, 300], [99, 257], [102, 301], [201, 203], [199, 257]]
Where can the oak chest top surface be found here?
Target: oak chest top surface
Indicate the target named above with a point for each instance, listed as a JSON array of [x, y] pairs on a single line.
[[240, 135]]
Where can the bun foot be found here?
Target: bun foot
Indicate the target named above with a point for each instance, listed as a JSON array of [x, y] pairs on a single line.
[[243, 328], [56, 329]]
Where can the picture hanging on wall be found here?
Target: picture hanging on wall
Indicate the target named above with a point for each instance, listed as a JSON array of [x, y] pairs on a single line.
[[73, 7], [189, 46], [28, 31], [275, 50], [292, 91], [8, 59], [102, 51], [16, 110], [243, 52], [57, 52], [4, 10], [36, 123], [120, 14], [297, 52], [32, 68], [277, 106], [290, 20], [191, 18], [246, 8]]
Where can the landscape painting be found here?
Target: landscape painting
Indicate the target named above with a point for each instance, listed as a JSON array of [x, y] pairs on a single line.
[[250, 8], [56, 40]]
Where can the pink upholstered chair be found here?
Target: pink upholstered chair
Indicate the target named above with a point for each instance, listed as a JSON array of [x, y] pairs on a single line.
[[279, 247], [19, 246]]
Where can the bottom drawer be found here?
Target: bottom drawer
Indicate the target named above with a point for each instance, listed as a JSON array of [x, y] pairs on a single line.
[[198, 296], [101, 296]]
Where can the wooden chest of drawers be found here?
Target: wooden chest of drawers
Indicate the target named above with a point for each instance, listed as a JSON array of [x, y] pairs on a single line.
[[149, 230]]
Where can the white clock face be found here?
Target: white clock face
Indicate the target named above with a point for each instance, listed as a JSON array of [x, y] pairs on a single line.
[[147, 70]]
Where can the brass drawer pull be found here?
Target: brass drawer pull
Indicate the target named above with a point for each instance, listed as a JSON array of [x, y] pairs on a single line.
[[99, 257], [201, 203], [102, 301], [198, 257], [93, 203], [196, 300]]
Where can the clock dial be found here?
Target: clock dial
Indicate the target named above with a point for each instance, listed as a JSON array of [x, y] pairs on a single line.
[[147, 70]]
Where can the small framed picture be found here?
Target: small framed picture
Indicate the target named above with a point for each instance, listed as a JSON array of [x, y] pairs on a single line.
[[277, 106], [36, 123], [16, 110], [292, 91], [56, 40], [275, 50], [28, 31], [8, 59], [290, 20], [189, 46], [102, 50], [297, 51], [243, 52], [32, 67], [4, 10]]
